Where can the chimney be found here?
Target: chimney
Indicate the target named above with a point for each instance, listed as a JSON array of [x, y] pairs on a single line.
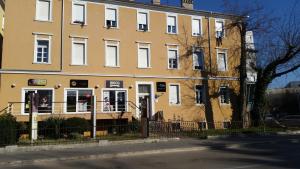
[[188, 4], [156, 2]]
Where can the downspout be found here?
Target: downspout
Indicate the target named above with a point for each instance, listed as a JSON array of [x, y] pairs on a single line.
[[209, 43], [62, 33]]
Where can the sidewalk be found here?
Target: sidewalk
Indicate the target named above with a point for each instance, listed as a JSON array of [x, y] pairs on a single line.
[[127, 148]]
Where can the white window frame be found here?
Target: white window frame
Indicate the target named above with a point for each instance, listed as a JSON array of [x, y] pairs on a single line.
[[117, 15], [65, 99], [173, 47], [116, 44], [113, 89], [226, 59], [39, 37], [179, 94], [203, 87], [50, 11], [203, 58], [224, 31], [138, 11], [76, 2], [200, 28], [220, 99], [82, 41], [148, 46], [176, 20], [23, 99]]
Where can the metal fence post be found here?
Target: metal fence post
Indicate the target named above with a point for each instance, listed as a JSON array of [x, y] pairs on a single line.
[[33, 112], [94, 117]]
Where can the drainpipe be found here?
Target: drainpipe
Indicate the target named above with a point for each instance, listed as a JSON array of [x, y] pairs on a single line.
[[209, 42], [62, 33]]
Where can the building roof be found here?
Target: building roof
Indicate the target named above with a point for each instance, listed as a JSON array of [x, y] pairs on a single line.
[[165, 8]]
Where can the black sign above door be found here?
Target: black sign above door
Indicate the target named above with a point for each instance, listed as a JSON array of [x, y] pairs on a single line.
[[161, 87], [79, 83], [114, 84]]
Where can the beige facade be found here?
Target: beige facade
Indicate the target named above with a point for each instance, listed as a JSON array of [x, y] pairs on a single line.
[[20, 60]]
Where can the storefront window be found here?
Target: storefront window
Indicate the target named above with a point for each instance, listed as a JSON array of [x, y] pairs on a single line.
[[114, 101], [79, 100], [44, 97]]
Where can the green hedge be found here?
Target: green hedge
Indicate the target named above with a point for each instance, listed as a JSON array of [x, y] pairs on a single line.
[[8, 129]]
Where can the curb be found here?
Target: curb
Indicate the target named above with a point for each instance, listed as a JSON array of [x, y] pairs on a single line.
[[102, 156], [100, 143]]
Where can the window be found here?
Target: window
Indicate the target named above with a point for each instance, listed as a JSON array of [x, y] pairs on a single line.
[[143, 23], [173, 58], [45, 100], [112, 54], [224, 95], [144, 56], [222, 60], [43, 10], [79, 13], [199, 89], [220, 30], [42, 51], [198, 59], [114, 100], [196, 27], [172, 24], [111, 17], [174, 98], [78, 100], [79, 52]]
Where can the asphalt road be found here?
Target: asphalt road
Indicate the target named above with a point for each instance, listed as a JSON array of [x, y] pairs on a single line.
[[283, 153]]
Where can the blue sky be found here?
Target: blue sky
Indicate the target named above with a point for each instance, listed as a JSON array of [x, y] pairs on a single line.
[[277, 8]]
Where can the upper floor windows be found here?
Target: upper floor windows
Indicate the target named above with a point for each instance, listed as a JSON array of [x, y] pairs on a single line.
[[79, 52], [44, 10], [173, 58], [224, 95], [143, 20], [42, 50], [79, 13], [111, 17], [198, 59], [220, 28], [174, 94], [112, 58], [222, 60], [196, 26], [172, 25], [144, 56], [199, 93]]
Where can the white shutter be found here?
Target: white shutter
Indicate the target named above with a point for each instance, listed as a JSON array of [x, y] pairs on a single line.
[[196, 26], [143, 60], [219, 26], [221, 62], [142, 18], [196, 59], [78, 12], [171, 20], [173, 94], [43, 10], [172, 54], [78, 54], [111, 56], [111, 14]]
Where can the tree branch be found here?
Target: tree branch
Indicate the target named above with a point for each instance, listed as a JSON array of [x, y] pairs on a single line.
[[286, 72]]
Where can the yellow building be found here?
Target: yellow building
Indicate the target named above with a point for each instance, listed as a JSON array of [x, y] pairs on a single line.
[[176, 62]]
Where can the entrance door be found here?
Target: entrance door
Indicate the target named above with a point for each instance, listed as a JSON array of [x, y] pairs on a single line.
[[144, 100]]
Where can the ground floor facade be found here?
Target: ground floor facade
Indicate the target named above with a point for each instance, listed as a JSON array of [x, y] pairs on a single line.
[[160, 98]]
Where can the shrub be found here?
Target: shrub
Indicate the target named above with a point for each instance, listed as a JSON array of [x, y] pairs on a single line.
[[8, 129], [76, 125], [52, 127]]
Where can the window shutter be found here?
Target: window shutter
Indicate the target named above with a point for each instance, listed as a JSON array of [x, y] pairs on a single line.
[[172, 20], [111, 14], [196, 26], [143, 60], [78, 13], [78, 52], [142, 17], [221, 61], [43, 10], [174, 92], [111, 56]]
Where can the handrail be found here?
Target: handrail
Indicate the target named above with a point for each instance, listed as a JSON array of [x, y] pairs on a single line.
[[5, 109]]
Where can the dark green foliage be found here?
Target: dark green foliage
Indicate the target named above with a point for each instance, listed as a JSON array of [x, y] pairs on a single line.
[[76, 125], [51, 128], [8, 129]]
